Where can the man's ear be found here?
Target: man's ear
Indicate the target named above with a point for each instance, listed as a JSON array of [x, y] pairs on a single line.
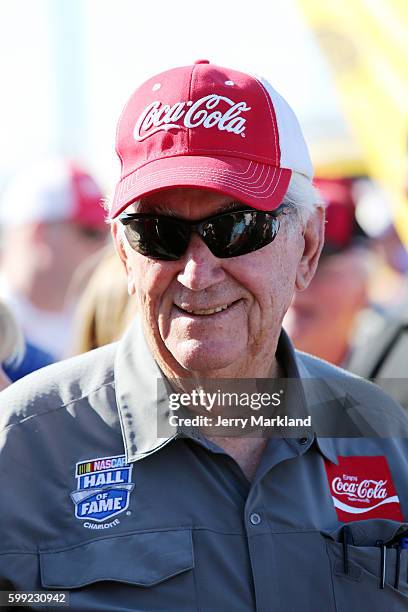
[[313, 237]]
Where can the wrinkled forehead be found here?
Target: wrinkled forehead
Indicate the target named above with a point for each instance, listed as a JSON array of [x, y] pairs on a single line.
[[186, 202]]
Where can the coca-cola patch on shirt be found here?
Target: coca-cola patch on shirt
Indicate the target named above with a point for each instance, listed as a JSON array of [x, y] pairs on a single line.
[[362, 488]]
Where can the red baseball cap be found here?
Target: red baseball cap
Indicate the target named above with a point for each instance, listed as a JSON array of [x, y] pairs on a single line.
[[53, 190], [342, 228], [208, 127]]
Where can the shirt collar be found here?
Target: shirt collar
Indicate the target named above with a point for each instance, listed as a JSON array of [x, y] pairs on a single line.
[[327, 448], [142, 398], [140, 395], [317, 393]]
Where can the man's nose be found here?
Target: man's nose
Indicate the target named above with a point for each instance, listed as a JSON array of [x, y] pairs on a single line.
[[201, 269]]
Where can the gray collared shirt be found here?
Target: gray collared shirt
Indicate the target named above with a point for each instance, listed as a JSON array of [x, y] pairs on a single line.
[[92, 501]]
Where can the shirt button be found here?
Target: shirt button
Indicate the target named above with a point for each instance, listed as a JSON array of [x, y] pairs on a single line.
[[255, 518], [303, 440]]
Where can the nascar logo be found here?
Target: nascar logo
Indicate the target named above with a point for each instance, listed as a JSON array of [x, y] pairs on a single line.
[[103, 488]]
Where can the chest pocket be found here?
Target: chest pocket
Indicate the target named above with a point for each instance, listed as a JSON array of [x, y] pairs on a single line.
[[369, 569], [139, 571]]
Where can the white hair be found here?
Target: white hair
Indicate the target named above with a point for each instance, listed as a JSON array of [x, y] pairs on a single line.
[[302, 196]]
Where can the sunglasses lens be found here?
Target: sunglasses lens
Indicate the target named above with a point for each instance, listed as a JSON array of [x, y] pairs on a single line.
[[228, 234], [158, 237], [238, 233]]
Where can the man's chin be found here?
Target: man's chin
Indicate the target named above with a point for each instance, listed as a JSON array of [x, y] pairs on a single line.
[[202, 356]]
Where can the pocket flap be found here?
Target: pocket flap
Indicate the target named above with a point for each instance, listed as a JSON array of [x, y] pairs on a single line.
[[368, 532], [142, 559]]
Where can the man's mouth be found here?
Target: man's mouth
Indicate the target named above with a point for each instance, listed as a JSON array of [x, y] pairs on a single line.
[[205, 311]]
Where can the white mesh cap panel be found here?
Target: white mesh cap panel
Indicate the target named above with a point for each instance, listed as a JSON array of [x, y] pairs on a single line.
[[294, 151]]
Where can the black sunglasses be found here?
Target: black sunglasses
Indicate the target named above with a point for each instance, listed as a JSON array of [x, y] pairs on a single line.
[[228, 234]]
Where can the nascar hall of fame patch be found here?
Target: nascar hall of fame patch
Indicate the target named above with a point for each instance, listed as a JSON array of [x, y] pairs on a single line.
[[103, 490]]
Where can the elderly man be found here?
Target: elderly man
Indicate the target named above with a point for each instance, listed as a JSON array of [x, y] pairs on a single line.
[[112, 495]]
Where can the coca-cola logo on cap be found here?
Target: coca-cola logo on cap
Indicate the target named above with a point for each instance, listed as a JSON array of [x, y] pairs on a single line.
[[211, 111], [362, 488]]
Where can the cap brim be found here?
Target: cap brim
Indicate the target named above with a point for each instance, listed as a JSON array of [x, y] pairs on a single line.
[[259, 185]]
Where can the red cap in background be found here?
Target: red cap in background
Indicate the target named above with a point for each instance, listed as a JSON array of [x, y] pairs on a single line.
[[52, 190], [342, 229]]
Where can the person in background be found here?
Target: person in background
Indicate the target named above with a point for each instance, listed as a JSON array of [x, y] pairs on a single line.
[[11, 344], [104, 309], [17, 356], [32, 358], [384, 356], [51, 219], [322, 319], [334, 317], [4, 380]]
